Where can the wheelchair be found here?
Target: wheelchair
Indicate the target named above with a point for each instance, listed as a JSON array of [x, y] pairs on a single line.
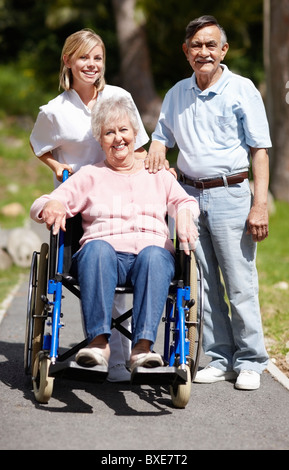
[[49, 278]]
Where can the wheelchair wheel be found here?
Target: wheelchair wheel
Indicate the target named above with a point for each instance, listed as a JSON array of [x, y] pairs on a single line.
[[42, 383], [195, 317], [30, 313], [180, 393], [35, 307]]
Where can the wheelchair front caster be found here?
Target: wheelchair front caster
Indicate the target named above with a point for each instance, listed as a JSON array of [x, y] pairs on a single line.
[[42, 383], [180, 393]]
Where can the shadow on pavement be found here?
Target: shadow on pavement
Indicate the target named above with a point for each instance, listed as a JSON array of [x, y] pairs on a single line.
[[12, 374]]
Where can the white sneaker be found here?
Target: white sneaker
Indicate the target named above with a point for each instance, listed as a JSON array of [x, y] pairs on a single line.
[[248, 380], [118, 373], [210, 375]]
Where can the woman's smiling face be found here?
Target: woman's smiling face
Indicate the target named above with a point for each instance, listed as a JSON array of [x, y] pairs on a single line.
[[117, 141], [87, 68]]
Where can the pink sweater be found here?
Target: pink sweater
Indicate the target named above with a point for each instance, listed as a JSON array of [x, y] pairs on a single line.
[[128, 211]]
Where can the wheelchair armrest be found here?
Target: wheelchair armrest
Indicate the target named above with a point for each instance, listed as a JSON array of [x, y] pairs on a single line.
[[183, 266], [69, 279]]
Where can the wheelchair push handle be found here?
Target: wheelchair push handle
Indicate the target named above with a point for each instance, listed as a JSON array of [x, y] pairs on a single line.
[[65, 175]]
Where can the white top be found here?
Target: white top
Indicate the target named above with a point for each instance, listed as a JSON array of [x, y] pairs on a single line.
[[63, 127], [213, 128]]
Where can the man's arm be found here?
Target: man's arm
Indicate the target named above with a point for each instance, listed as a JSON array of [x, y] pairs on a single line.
[[258, 219]]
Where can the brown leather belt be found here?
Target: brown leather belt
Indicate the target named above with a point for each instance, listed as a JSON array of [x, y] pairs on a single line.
[[215, 182]]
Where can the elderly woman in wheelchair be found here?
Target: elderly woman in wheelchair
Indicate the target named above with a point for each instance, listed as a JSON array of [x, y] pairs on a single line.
[[126, 240]]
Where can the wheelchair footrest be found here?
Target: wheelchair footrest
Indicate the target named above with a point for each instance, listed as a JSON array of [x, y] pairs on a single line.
[[158, 376], [71, 370]]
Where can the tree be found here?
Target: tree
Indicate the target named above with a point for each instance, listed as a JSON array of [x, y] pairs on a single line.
[[276, 62], [135, 68], [143, 40]]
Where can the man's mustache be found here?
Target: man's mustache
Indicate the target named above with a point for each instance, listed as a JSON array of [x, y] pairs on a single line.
[[205, 60]]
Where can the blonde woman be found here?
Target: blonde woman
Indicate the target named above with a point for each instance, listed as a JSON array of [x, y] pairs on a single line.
[[62, 136]]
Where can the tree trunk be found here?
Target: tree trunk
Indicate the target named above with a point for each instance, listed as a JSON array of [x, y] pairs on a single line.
[[136, 75], [278, 99]]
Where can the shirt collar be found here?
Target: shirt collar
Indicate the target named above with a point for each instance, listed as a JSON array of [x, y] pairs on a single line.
[[77, 101], [217, 88]]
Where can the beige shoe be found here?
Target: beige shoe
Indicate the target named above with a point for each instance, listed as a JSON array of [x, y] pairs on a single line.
[[148, 360], [90, 357]]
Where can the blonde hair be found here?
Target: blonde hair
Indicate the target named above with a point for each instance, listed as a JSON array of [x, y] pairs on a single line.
[[80, 43], [110, 109]]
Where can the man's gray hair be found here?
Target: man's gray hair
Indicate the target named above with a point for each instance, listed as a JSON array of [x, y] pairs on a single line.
[[109, 109], [201, 22]]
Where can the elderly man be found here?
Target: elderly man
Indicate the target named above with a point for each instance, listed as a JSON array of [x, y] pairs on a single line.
[[218, 121]]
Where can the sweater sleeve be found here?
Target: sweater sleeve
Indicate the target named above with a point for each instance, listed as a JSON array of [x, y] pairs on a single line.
[[71, 194]]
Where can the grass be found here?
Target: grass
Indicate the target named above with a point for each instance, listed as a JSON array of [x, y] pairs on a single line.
[[23, 178], [273, 268]]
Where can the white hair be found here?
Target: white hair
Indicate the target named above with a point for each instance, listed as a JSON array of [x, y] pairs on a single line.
[[109, 109]]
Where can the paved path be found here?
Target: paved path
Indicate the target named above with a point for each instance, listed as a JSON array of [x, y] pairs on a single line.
[[110, 417]]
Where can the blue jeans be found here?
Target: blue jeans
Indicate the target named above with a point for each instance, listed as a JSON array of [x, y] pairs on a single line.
[[99, 269], [233, 340]]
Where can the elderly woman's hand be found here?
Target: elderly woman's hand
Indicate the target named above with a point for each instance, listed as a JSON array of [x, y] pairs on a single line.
[[54, 213], [186, 230]]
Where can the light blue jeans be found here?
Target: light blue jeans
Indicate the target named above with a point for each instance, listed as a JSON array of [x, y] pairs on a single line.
[[99, 269], [233, 341]]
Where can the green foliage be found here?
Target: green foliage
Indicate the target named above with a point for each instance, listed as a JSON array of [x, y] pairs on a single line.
[[22, 178], [20, 92], [32, 33], [242, 21]]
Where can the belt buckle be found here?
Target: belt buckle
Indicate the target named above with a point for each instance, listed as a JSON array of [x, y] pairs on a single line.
[[200, 184]]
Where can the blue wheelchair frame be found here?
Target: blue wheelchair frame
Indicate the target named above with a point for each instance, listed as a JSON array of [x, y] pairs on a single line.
[[179, 369]]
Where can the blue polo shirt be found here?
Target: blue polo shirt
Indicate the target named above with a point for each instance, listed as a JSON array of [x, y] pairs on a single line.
[[214, 128]]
